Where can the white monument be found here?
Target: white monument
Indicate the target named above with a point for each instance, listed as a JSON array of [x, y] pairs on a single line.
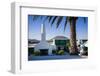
[[43, 43]]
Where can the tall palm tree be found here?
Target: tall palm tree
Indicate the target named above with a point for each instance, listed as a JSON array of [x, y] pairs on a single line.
[[72, 21]]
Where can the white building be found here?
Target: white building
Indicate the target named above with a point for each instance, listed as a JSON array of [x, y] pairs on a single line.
[[60, 42], [44, 47]]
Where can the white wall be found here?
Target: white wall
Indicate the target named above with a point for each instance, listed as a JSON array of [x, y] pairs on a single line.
[[5, 32]]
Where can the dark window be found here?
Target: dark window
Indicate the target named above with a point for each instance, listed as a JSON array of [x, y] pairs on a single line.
[[60, 42]]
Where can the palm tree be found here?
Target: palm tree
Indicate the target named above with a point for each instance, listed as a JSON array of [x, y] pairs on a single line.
[[72, 21]]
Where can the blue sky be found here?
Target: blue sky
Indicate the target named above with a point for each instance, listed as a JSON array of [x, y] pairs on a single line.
[[34, 28]]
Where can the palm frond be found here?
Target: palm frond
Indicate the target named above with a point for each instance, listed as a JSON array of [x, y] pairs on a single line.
[[69, 18], [84, 19], [50, 17], [65, 23], [41, 17], [55, 17], [35, 17], [59, 20], [46, 18]]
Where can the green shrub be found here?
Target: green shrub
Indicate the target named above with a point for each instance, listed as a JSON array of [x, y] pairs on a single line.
[[61, 52], [68, 45], [30, 51], [54, 52], [36, 53]]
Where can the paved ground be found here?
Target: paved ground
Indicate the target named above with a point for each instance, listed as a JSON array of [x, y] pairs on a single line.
[[54, 57]]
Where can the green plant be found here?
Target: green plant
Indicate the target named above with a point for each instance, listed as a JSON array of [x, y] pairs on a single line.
[[30, 51], [61, 52], [36, 53], [68, 45], [54, 52]]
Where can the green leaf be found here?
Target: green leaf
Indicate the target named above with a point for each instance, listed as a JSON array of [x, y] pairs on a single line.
[[54, 19], [65, 23], [50, 17], [59, 21], [47, 17], [84, 19]]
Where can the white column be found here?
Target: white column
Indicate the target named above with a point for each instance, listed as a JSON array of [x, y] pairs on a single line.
[[43, 33], [53, 42], [50, 51]]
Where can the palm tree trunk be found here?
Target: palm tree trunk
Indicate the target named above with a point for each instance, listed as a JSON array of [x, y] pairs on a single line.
[[73, 48]]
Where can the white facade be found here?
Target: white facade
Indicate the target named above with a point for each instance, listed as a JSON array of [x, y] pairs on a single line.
[[43, 43]]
